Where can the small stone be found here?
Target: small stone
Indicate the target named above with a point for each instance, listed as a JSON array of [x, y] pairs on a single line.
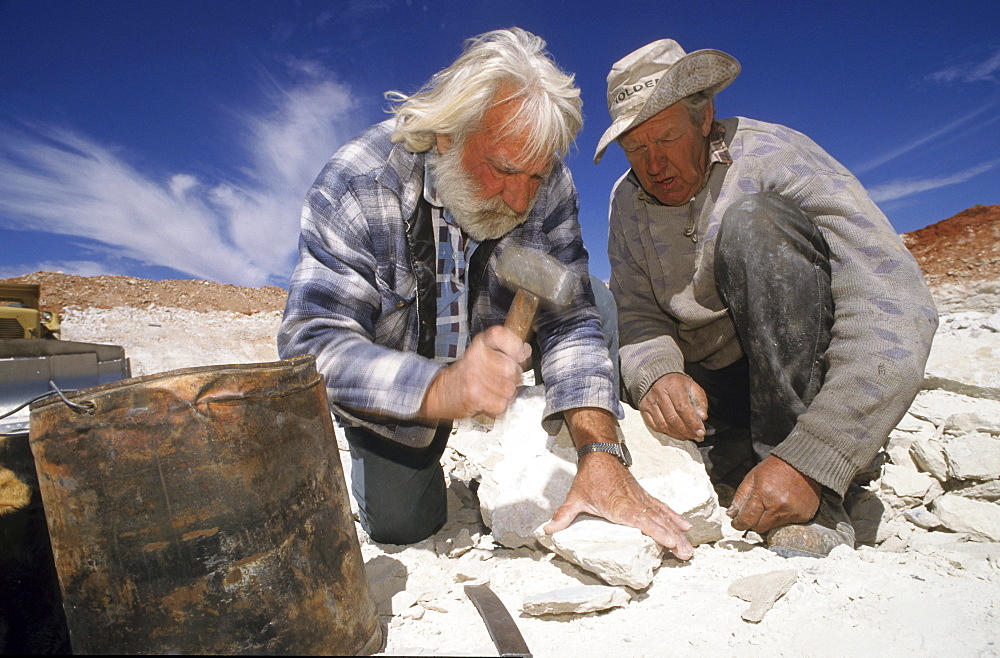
[[922, 518], [462, 544], [929, 457], [575, 600], [762, 591]]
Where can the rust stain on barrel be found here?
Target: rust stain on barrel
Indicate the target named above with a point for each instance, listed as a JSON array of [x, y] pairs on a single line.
[[207, 532]]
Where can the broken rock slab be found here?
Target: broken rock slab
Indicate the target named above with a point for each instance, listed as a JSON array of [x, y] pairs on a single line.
[[617, 554], [928, 456], [906, 483], [981, 520], [526, 473], [974, 456], [576, 600], [761, 591], [937, 406]]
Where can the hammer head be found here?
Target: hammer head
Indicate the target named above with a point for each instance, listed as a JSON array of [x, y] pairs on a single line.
[[538, 273]]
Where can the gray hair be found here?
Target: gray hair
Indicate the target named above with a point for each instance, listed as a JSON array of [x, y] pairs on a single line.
[[512, 62], [696, 105]]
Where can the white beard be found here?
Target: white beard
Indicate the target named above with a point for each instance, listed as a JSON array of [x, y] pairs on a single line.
[[481, 219]]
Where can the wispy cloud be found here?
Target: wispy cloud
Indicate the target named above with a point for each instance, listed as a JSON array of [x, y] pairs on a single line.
[[240, 231], [922, 140], [903, 188], [986, 70]]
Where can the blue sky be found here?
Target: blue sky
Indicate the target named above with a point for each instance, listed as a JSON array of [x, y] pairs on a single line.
[[177, 138]]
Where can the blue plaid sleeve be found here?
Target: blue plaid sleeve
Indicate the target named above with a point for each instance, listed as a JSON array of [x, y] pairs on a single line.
[[352, 301]]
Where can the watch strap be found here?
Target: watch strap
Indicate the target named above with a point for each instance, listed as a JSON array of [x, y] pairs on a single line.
[[616, 449]]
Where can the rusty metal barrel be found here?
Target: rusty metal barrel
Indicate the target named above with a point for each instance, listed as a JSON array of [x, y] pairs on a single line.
[[203, 511]]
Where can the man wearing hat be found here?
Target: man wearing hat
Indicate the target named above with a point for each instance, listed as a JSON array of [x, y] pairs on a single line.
[[767, 308]]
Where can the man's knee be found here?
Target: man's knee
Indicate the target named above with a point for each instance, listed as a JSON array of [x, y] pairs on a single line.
[[760, 221], [401, 523], [401, 493]]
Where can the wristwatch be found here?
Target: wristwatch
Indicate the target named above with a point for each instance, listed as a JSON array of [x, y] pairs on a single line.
[[619, 450]]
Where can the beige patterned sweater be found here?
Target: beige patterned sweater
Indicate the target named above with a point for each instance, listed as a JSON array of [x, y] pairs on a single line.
[[884, 318]]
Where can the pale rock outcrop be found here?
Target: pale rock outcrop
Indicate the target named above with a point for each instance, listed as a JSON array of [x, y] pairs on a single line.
[[525, 473]]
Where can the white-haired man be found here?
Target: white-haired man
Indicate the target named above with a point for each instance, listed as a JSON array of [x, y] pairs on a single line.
[[399, 236], [758, 287]]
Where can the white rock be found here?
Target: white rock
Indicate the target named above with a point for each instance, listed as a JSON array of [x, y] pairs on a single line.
[[980, 519], [988, 491], [928, 455], [956, 358], [993, 322], [616, 554], [890, 527], [922, 518], [967, 422], [575, 600], [900, 456], [912, 424], [933, 492], [905, 482], [973, 457], [936, 406], [526, 473]]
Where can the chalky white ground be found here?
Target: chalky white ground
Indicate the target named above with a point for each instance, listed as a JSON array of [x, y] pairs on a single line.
[[917, 592]]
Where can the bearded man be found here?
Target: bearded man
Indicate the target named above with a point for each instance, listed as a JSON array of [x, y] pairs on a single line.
[[759, 288], [400, 234]]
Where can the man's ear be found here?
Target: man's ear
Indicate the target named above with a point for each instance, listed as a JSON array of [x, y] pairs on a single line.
[[706, 122], [443, 142]]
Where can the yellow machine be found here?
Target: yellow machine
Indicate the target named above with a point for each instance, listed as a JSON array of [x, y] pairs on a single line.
[[20, 314]]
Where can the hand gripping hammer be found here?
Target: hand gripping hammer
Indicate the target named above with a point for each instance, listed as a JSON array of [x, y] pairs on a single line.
[[536, 277]]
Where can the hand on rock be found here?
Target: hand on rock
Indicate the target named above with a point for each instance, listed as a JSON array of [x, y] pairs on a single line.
[[604, 487]]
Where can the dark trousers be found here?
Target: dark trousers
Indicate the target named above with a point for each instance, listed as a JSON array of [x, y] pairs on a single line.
[[772, 270], [400, 491]]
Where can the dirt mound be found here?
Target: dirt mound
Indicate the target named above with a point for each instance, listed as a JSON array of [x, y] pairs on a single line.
[[965, 247], [60, 291]]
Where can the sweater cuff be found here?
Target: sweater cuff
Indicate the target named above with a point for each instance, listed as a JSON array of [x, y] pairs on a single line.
[[644, 363], [818, 460]]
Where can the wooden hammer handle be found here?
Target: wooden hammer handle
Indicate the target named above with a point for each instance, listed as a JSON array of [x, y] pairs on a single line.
[[521, 315]]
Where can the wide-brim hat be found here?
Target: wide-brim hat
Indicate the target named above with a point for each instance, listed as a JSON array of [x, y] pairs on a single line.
[[654, 77]]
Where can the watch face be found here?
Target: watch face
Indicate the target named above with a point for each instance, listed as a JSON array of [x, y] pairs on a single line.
[[626, 455]]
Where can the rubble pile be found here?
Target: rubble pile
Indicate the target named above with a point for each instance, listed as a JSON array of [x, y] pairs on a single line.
[[943, 459]]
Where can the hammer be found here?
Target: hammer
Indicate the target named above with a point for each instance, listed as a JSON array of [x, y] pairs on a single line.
[[536, 277]]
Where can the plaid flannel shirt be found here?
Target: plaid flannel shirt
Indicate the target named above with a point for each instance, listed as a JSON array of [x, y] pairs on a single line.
[[352, 297]]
